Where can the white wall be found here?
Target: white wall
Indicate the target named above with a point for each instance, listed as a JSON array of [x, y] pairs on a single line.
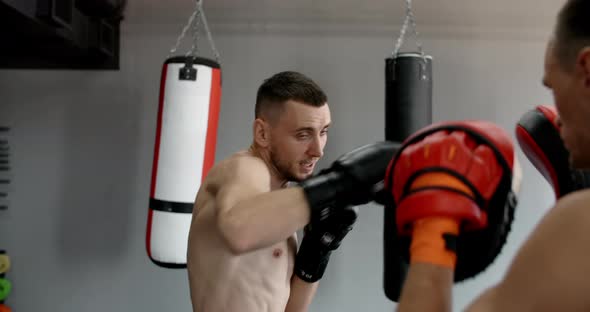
[[82, 150]]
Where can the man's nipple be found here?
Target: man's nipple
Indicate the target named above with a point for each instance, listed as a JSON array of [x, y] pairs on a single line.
[[277, 253]]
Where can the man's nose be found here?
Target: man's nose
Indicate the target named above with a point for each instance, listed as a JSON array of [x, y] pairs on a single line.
[[315, 148]]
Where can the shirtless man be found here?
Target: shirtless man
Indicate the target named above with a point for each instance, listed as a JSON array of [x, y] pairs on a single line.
[[550, 272], [242, 251]]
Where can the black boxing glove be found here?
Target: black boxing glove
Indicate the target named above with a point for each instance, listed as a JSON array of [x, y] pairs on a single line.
[[319, 240], [352, 179]]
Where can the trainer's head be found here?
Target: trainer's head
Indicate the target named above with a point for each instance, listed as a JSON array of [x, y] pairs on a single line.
[[567, 74], [291, 123]]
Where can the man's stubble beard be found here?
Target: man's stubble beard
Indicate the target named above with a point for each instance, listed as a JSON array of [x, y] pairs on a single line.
[[282, 167]]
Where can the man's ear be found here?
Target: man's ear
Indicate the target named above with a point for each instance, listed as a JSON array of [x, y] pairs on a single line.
[[261, 130], [584, 64]]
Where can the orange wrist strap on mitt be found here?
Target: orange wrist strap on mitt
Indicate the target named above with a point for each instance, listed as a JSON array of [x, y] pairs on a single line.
[[429, 244], [433, 238]]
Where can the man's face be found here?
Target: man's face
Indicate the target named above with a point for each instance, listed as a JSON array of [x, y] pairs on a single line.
[[572, 98], [298, 139]]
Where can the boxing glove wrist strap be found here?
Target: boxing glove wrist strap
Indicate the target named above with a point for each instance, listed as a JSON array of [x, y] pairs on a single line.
[[311, 261], [433, 241]]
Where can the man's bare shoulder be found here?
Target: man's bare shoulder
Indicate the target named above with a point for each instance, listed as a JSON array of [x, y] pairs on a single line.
[[571, 212], [568, 220], [238, 166], [576, 203], [554, 253]]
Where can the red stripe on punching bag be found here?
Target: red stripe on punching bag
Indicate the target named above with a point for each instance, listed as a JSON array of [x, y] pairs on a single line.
[[158, 130], [213, 118], [156, 155]]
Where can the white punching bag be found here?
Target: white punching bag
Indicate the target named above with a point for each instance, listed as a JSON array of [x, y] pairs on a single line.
[[184, 151]]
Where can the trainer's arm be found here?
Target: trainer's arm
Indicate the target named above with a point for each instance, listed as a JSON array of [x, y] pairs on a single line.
[[550, 272], [427, 288], [249, 216]]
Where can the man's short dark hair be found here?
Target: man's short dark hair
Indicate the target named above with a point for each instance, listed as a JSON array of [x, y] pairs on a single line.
[[572, 32], [284, 86]]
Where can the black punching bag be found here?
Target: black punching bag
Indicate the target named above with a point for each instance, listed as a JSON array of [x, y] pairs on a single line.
[[408, 95], [408, 108]]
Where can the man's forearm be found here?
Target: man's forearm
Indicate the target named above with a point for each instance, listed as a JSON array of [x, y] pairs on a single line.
[[301, 296], [427, 288]]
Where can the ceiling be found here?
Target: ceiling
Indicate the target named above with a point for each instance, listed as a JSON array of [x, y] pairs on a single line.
[[496, 14]]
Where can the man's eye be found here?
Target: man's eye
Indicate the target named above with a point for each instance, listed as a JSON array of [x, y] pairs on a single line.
[[302, 136], [324, 132]]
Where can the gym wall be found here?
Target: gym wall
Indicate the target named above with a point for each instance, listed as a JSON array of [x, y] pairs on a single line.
[[82, 144]]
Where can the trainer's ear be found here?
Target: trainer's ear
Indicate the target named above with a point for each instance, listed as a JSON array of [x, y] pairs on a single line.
[[261, 132], [584, 63]]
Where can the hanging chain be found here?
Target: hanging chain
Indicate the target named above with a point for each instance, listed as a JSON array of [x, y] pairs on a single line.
[[183, 33], [208, 33], [194, 21], [195, 32], [409, 19]]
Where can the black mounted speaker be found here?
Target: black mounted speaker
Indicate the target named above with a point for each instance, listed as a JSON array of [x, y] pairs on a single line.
[[60, 34], [56, 12], [109, 9], [103, 37]]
